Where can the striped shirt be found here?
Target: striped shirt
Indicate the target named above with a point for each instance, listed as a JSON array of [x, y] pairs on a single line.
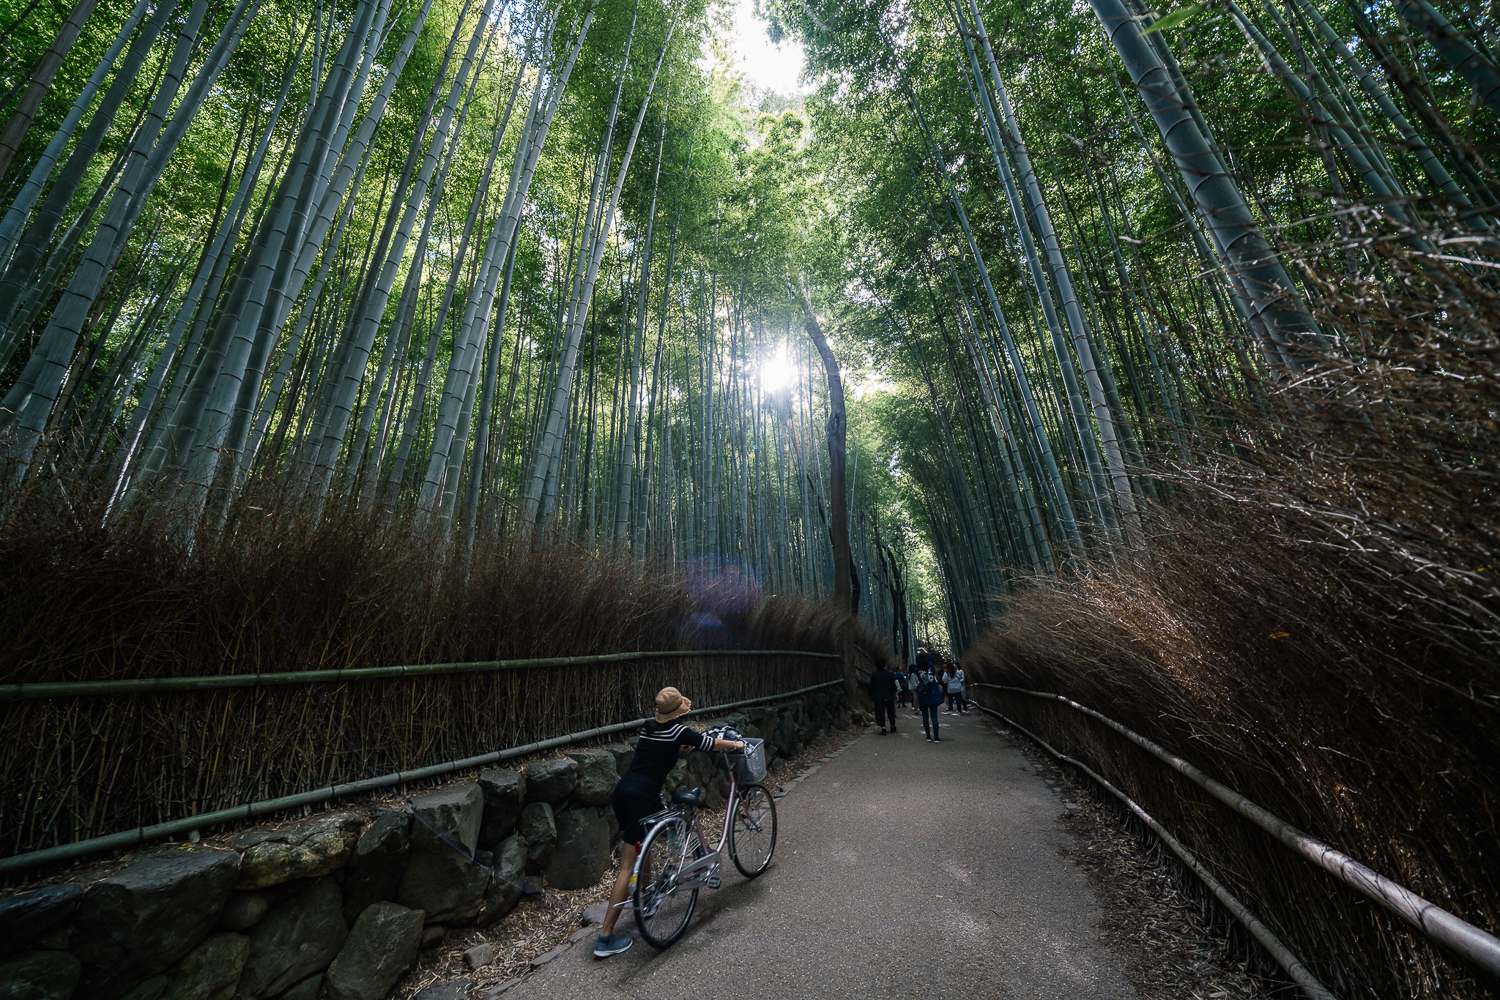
[[656, 752]]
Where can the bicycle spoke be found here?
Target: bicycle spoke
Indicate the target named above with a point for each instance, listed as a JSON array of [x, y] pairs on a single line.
[[752, 835], [662, 906]]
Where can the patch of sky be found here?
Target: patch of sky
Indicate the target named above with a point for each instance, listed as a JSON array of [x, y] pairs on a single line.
[[747, 50]]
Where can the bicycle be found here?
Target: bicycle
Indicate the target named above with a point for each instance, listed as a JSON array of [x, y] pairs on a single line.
[[674, 846]]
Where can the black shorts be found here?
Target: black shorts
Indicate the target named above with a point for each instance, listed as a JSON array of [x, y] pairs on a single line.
[[633, 803]]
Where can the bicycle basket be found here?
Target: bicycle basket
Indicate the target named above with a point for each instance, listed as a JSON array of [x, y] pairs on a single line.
[[751, 765]]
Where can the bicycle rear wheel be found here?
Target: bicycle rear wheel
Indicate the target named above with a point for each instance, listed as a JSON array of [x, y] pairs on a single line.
[[662, 908], [752, 835]]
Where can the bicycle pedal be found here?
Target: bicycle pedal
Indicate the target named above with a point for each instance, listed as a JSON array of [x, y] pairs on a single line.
[[713, 881]]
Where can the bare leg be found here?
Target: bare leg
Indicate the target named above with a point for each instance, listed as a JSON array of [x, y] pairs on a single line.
[[621, 889]]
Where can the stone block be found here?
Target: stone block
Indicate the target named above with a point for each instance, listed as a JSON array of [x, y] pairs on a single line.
[[614, 826], [28, 915], [551, 781], [700, 769], [539, 828], [316, 847], [308, 989], [505, 886], [210, 971], [582, 853], [244, 910], [544, 958], [296, 939], [504, 795], [786, 733], [444, 884], [446, 991], [452, 815], [382, 945], [154, 988], [440, 877], [480, 955], [596, 776], [624, 754], [718, 790], [142, 919], [39, 975], [373, 874], [56, 939]]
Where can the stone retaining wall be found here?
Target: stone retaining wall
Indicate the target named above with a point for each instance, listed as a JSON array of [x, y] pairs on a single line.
[[337, 905]]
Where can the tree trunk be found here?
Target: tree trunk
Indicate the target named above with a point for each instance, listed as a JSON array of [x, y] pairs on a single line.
[[1274, 299], [838, 520]]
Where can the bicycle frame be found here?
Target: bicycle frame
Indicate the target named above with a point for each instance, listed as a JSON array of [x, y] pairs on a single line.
[[703, 870], [734, 794]]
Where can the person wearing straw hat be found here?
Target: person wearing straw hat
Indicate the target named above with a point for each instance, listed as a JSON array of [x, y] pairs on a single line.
[[638, 795]]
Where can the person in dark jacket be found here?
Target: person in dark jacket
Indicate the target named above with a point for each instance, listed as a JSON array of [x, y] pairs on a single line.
[[883, 694], [929, 699]]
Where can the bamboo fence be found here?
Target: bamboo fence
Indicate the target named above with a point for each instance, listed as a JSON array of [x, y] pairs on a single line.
[[79, 766], [1321, 908]]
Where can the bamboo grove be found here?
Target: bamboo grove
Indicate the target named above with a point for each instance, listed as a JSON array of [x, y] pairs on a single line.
[[487, 263], [1098, 248], [540, 270]]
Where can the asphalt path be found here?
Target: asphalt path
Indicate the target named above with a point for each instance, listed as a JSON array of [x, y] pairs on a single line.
[[902, 869]]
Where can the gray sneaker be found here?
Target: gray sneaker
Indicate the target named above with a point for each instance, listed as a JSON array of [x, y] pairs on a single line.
[[606, 945]]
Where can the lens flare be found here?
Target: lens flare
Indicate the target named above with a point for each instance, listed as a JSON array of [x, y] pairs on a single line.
[[776, 371]]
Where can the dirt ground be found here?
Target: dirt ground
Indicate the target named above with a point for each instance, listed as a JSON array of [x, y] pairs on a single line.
[[1173, 948]]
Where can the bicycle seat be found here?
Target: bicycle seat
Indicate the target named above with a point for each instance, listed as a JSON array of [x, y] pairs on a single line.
[[687, 798]]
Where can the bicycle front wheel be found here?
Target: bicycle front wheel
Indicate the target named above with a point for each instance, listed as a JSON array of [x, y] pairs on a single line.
[[752, 835], [662, 906]]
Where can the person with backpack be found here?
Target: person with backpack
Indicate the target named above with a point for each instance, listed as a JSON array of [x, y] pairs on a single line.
[[901, 688], [929, 698], [883, 694], [953, 685]]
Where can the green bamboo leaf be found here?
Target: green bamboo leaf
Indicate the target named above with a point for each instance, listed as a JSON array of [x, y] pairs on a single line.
[[1175, 18]]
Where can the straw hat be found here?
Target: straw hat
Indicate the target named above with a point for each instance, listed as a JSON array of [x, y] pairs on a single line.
[[670, 704]]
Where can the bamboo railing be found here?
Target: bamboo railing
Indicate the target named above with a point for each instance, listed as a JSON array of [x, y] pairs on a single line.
[[209, 682], [125, 839], [1299, 973], [87, 759], [1462, 937]]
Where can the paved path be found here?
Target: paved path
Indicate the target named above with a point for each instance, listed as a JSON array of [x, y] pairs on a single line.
[[903, 869]]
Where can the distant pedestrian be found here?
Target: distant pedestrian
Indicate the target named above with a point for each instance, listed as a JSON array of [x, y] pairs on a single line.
[[953, 685], [913, 677], [963, 690], [883, 694], [929, 700], [901, 686]]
